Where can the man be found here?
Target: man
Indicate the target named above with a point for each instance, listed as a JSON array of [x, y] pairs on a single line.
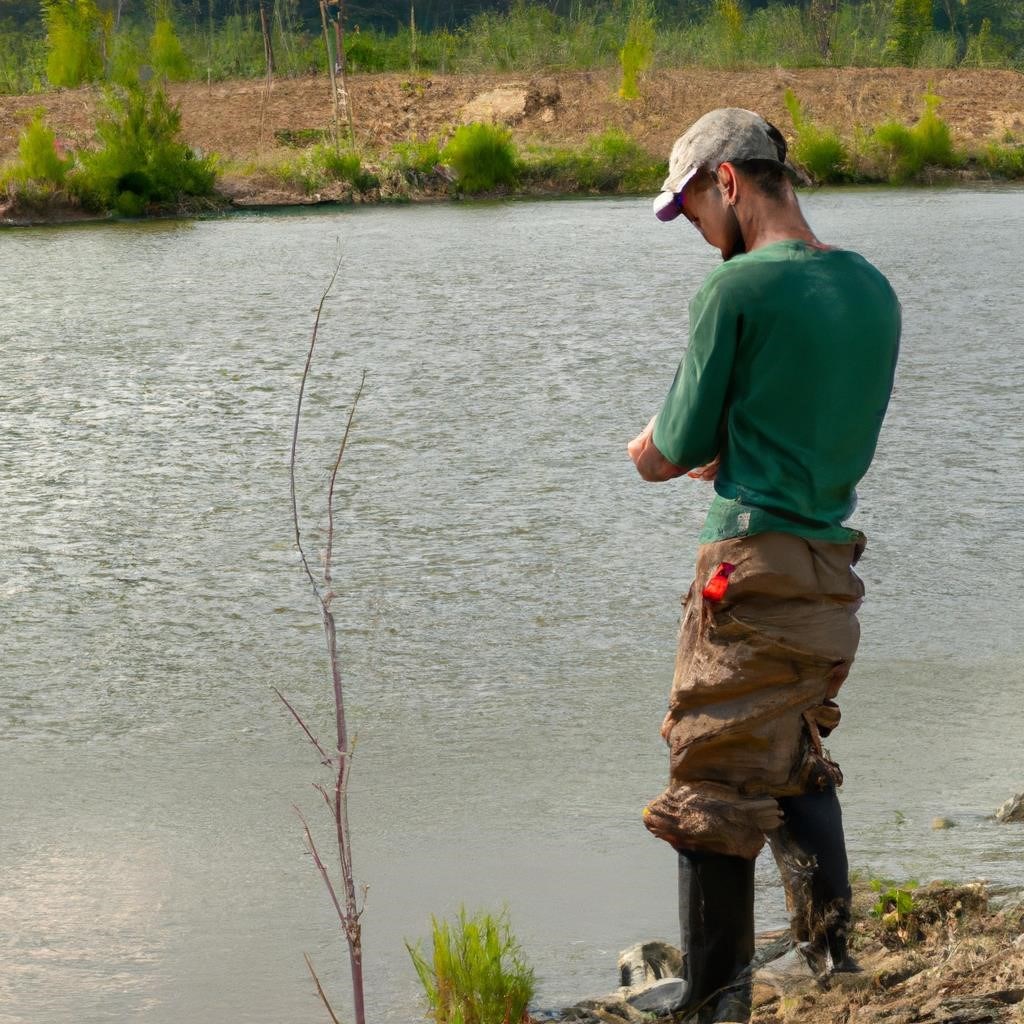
[[779, 400]]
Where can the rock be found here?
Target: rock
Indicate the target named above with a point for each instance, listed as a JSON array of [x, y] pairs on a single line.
[[1012, 810], [941, 823], [649, 977], [642, 965], [510, 104], [662, 998]]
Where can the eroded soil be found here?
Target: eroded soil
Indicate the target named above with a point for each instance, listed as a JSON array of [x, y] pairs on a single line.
[[954, 959], [242, 121]]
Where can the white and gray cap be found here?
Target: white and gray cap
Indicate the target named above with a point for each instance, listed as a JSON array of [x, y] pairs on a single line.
[[726, 134]]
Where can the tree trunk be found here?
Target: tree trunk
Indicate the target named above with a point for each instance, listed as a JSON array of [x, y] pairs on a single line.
[[268, 45]]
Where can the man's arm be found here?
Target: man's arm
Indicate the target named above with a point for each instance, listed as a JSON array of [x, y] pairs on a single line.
[[649, 462]]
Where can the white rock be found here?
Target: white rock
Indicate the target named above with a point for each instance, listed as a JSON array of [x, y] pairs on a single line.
[[1012, 810]]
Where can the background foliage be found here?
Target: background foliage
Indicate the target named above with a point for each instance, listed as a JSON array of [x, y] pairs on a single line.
[[64, 42]]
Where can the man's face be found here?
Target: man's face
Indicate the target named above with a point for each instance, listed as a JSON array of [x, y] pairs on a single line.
[[706, 208]]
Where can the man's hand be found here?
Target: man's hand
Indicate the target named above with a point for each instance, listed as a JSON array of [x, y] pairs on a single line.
[[649, 462], [708, 472]]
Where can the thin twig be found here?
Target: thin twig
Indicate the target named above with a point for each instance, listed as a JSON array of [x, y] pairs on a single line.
[[334, 476], [320, 990], [327, 759], [295, 428], [320, 866]]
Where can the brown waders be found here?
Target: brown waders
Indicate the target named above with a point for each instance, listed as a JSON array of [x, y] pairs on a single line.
[[768, 635]]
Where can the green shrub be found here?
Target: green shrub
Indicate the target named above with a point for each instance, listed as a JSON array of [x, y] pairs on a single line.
[[910, 24], [139, 159], [165, 52], [987, 50], [897, 909], [40, 160], [905, 152], [128, 53], [483, 157], [637, 54], [819, 151], [75, 38], [478, 975], [726, 24], [22, 59]]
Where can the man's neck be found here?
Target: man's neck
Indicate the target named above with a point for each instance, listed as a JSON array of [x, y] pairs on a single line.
[[763, 222]]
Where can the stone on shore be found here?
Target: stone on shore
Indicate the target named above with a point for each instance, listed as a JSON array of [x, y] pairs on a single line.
[[512, 104], [1012, 810]]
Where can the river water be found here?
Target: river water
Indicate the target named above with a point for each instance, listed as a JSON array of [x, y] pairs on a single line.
[[507, 589]]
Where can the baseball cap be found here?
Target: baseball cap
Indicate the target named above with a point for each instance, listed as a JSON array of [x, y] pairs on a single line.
[[725, 134]]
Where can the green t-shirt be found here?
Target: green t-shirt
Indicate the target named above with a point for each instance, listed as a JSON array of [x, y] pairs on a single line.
[[787, 376]]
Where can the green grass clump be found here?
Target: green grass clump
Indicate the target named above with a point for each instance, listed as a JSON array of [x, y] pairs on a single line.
[[904, 152], [820, 152], [477, 975], [318, 166], [1003, 161], [415, 159], [483, 157], [140, 159], [609, 162]]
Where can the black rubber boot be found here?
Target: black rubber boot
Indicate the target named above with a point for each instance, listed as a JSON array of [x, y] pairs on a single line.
[[810, 850], [716, 924]]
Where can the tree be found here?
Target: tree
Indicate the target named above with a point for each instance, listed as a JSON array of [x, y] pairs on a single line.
[[76, 36], [911, 23]]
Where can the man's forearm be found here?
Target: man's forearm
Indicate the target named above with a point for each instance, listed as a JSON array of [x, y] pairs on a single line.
[[649, 462]]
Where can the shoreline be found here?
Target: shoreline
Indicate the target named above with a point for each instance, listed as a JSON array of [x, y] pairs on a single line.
[[257, 133], [272, 201]]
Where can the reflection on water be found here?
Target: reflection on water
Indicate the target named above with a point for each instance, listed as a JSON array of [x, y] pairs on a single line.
[[508, 590]]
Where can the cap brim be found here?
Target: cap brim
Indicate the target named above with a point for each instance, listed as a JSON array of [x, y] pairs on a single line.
[[668, 206]]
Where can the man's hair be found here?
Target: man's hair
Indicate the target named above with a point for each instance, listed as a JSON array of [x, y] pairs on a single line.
[[766, 175]]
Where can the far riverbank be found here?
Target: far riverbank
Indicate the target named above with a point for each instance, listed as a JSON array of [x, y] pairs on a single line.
[[257, 133]]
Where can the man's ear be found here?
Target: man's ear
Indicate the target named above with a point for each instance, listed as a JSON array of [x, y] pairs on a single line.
[[727, 182]]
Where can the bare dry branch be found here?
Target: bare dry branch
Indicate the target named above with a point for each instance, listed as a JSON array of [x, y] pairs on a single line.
[[330, 487], [295, 428], [348, 909], [311, 845], [327, 759], [320, 990]]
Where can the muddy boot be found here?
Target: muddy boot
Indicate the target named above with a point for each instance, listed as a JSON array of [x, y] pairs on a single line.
[[716, 923], [810, 850]]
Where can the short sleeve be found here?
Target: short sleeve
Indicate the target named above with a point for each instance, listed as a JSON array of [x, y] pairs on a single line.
[[688, 428]]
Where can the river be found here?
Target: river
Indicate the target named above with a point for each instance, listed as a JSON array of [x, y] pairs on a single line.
[[507, 589]]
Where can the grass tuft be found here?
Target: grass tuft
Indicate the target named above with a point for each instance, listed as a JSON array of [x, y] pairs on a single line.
[[483, 157], [904, 152], [820, 151], [416, 160], [316, 167], [477, 975]]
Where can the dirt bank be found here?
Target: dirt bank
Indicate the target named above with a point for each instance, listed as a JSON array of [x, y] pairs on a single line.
[[937, 954], [225, 117]]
